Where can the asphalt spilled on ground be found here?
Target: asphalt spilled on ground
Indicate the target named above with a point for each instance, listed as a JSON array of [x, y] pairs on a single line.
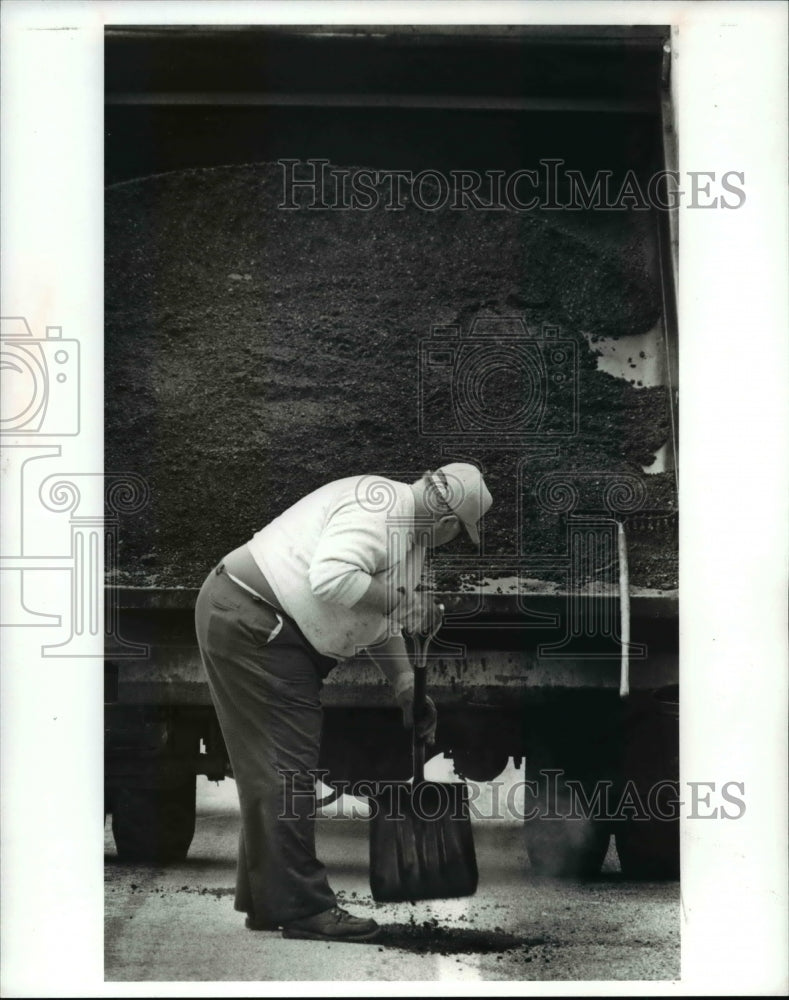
[[430, 937], [420, 937]]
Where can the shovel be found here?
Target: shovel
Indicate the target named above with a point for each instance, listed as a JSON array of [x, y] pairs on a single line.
[[624, 613], [421, 844]]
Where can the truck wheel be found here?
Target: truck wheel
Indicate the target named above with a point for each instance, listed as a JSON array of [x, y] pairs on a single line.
[[154, 824], [559, 844], [649, 849], [567, 848]]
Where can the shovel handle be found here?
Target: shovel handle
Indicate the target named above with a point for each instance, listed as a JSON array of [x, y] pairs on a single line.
[[624, 613], [418, 745], [420, 692]]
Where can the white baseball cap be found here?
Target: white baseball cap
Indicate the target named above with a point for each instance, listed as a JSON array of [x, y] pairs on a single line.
[[463, 489]]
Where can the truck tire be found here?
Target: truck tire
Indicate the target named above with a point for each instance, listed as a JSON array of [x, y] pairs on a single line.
[[559, 844], [154, 825], [649, 849], [567, 848]]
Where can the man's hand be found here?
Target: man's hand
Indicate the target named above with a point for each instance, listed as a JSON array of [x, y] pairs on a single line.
[[428, 719], [425, 616]]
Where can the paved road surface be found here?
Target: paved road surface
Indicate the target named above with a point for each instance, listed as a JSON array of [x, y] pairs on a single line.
[[177, 923]]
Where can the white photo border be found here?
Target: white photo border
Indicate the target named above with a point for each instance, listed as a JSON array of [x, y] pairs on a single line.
[[730, 71]]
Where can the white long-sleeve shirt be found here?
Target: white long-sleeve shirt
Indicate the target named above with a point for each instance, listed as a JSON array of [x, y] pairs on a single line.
[[320, 555]]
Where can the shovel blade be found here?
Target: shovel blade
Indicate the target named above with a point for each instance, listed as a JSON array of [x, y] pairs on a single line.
[[421, 843]]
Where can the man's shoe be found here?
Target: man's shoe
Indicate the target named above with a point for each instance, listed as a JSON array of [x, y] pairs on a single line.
[[335, 924], [254, 924]]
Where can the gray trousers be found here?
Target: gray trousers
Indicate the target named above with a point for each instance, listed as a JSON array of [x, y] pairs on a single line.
[[266, 692]]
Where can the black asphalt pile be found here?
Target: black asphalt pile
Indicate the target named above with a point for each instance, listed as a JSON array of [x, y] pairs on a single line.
[[429, 937], [254, 353]]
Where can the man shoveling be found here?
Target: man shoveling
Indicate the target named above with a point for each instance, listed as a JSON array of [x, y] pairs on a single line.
[[330, 577]]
